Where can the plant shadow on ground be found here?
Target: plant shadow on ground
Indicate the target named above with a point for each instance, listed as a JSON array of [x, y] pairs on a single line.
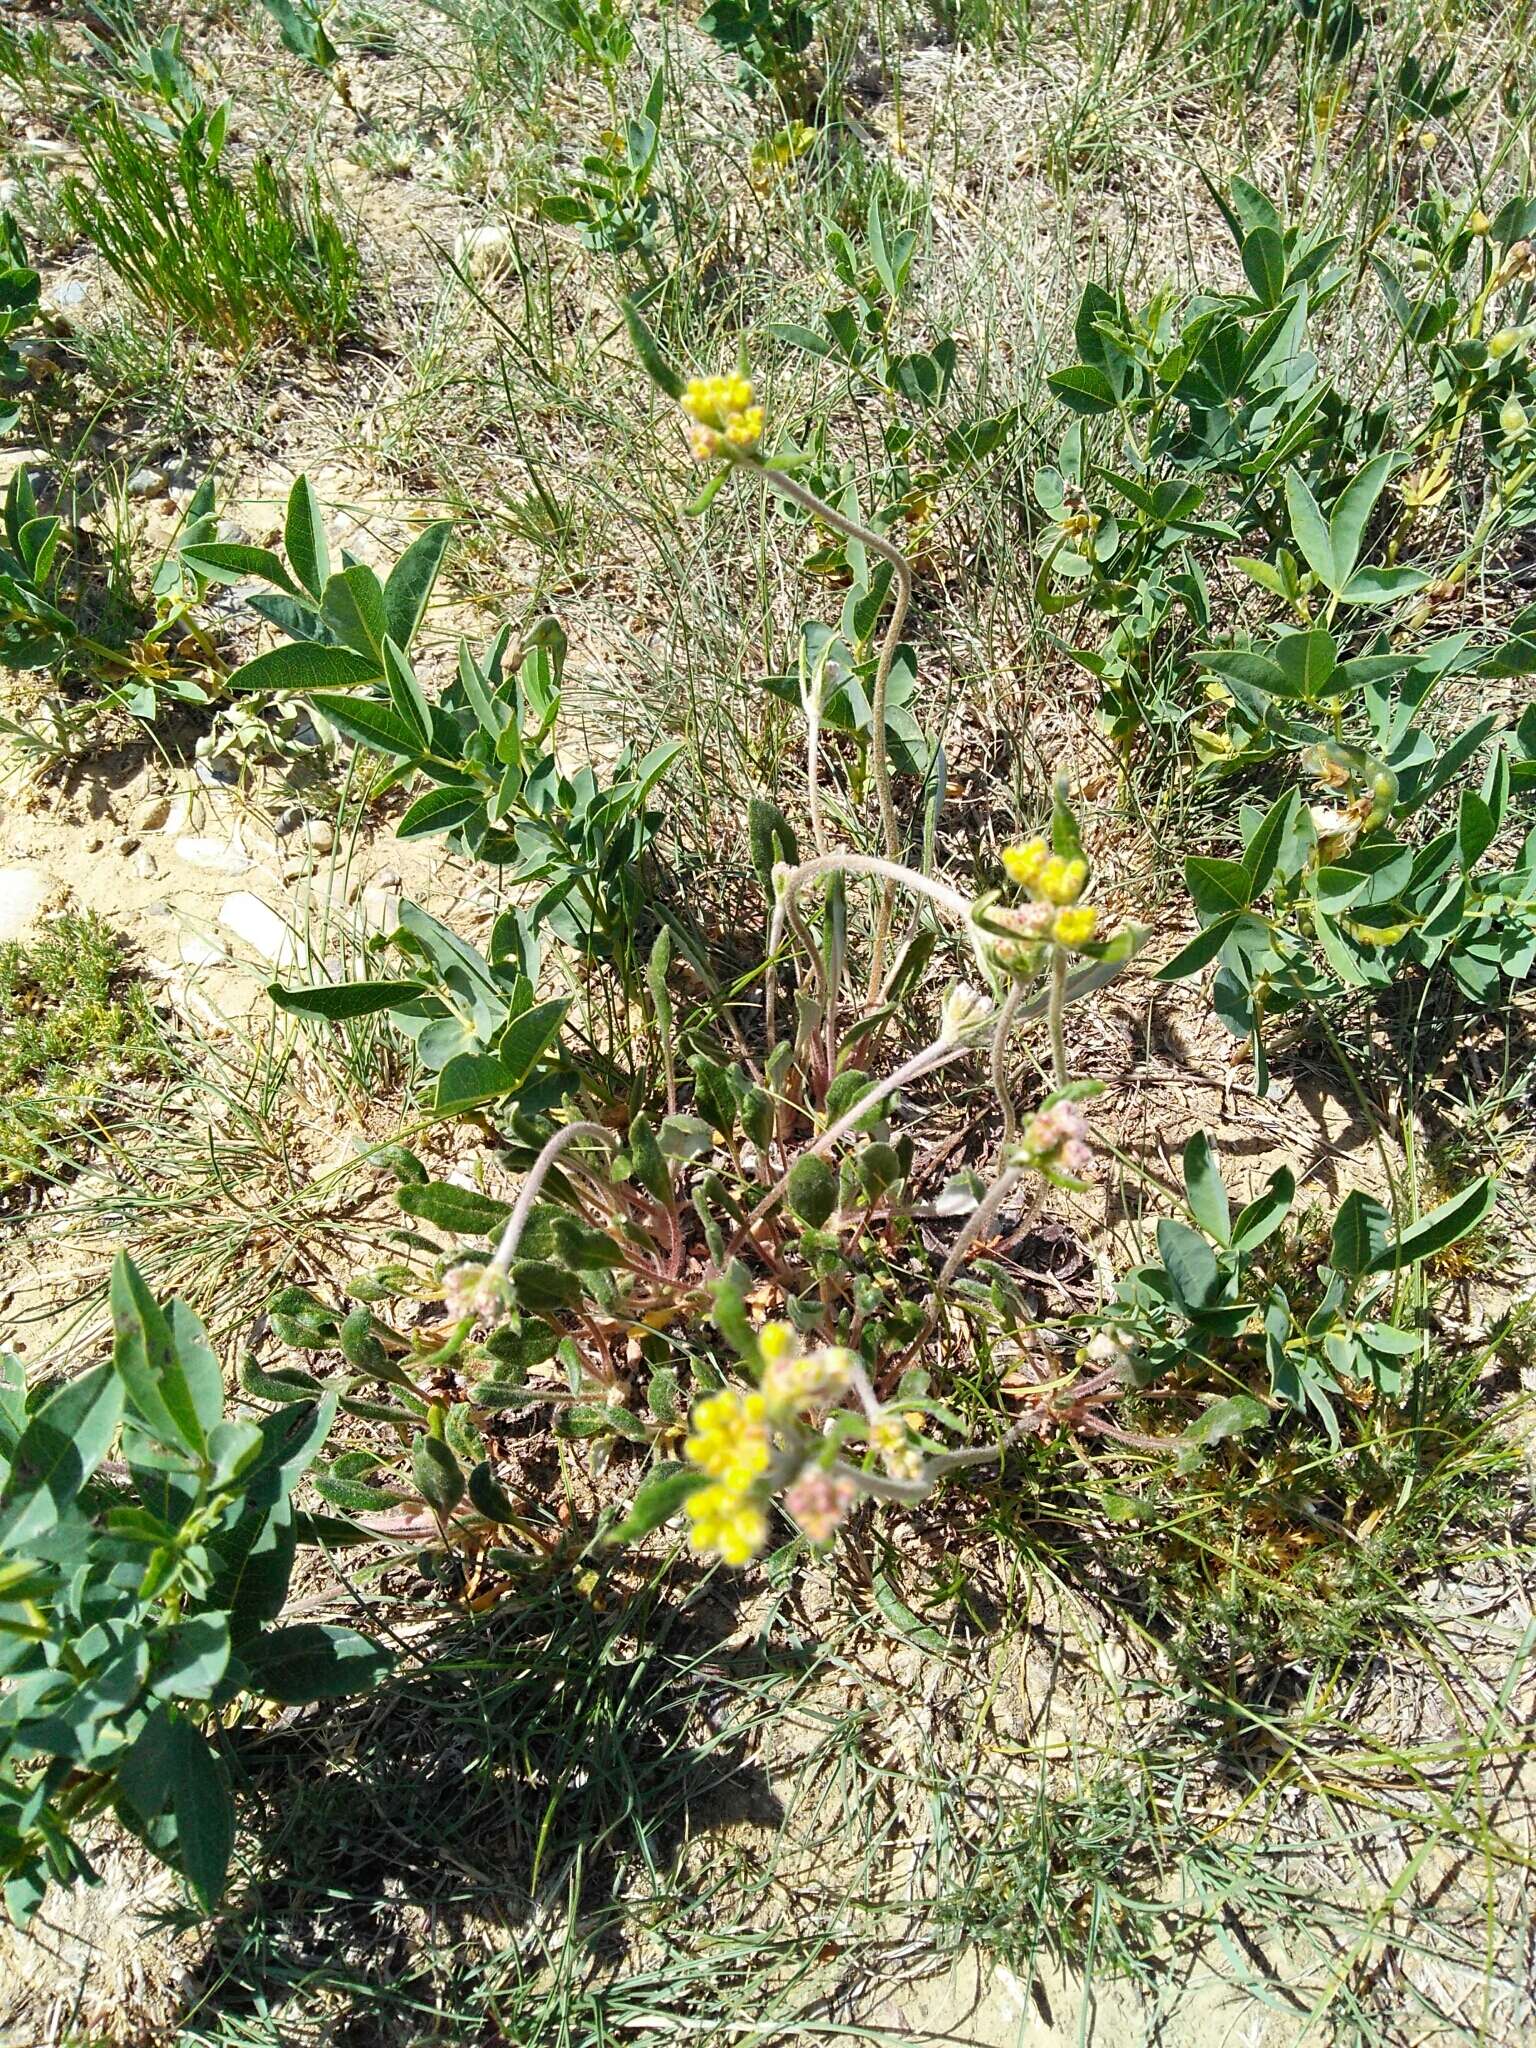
[[503, 1806]]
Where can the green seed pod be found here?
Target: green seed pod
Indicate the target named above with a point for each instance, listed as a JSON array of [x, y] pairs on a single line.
[[359, 1346], [879, 1169], [486, 1495], [812, 1190], [436, 1473]]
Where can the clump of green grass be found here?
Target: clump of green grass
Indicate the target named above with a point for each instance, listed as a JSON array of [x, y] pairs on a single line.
[[74, 1023], [242, 260]]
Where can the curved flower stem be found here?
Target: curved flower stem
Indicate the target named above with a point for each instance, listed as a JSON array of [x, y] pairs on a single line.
[[1056, 1014], [511, 1237], [784, 911], [979, 1222], [791, 488], [1000, 1037], [937, 1054], [848, 864], [812, 702], [909, 1492], [892, 871]]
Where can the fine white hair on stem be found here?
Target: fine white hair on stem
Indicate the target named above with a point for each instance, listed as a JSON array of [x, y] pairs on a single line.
[[517, 1222]]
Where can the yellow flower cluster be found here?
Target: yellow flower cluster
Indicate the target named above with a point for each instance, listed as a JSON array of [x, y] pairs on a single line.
[[793, 1383], [722, 417], [727, 1523], [901, 1457], [1055, 881], [731, 1441], [1051, 877]]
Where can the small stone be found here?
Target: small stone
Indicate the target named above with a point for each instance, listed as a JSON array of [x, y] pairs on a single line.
[[381, 909], [288, 821], [297, 869], [260, 928], [200, 951], [95, 843], [144, 866], [386, 878], [148, 483], [484, 251], [151, 812], [220, 856], [320, 834], [23, 892]]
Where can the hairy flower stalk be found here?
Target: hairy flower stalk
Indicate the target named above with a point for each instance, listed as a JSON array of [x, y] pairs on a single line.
[[788, 883], [726, 425], [796, 492]]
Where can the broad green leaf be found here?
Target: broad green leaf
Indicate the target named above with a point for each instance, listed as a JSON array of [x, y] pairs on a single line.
[[1261, 856], [1218, 886], [439, 810], [1306, 660], [1263, 254], [1310, 530], [470, 1078], [1352, 512], [353, 610], [370, 724], [1265, 1213], [407, 696], [1190, 1262], [1380, 586], [409, 588], [528, 1037], [1362, 1230], [191, 1658], [303, 665], [204, 1813], [199, 1364], [464, 1212], [1229, 1416], [58, 1451], [227, 562], [309, 1660], [1203, 1188], [1199, 950], [1476, 830], [145, 1356], [1083, 389], [438, 1476], [304, 538], [350, 999], [660, 1495], [1441, 1228]]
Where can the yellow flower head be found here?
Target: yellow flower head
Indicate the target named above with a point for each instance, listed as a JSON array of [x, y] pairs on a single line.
[[1062, 880], [730, 1439], [777, 1341], [1077, 925], [791, 1384], [733, 1528], [901, 1457], [1023, 863], [723, 418]]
